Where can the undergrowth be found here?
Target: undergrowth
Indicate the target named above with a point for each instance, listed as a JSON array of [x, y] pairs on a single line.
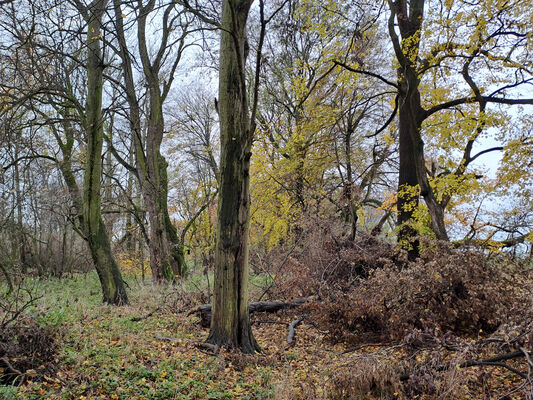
[[376, 327]]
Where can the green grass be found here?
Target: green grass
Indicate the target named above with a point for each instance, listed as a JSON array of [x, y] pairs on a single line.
[[103, 354]]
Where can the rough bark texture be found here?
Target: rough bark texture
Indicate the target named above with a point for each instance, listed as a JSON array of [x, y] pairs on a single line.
[[230, 324], [411, 114], [167, 259], [110, 278]]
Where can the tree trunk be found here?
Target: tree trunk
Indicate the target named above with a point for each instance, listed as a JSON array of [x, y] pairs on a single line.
[[167, 259], [411, 115], [230, 325], [113, 288], [351, 207], [408, 191], [130, 223], [108, 181], [20, 224]]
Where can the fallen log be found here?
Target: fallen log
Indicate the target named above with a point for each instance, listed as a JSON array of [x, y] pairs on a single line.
[[255, 306], [292, 331]]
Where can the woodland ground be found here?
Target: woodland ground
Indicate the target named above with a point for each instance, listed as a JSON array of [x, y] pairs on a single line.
[[100, 353]]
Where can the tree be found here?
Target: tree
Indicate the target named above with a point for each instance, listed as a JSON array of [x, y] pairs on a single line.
[[495, 38], [194, 141], [316, 148], [167, 258], [49, 69], [230, 324], [110, 277]]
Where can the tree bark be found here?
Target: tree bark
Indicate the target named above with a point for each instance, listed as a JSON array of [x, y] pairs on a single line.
[[114, 291], [20, 225], [411, 115], [167, 259], [230, 324]]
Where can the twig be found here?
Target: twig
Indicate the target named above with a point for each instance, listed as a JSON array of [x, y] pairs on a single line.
[[8, 365], [296, 242], [360, 346], [375, 353], [8, 279], [528, 358]]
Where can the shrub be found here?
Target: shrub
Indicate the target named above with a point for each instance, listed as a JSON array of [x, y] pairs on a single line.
[[322, 261], [26, 349], [25, 346], [364, 377], [445, 289]]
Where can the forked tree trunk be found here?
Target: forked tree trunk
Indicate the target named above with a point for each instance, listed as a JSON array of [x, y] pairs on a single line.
[[230, 324], [167, 260], [113, 288]]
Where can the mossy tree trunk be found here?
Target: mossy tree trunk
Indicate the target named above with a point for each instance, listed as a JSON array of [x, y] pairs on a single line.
[[114, 291], [230, 324], [167, 260]]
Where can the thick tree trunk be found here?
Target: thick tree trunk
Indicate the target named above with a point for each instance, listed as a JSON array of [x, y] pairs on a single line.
[[411, 115], [166, 250], [113, 288], [167, 259], [230, 325], [408, 190]]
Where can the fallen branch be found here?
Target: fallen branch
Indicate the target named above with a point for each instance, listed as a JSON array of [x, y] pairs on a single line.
[[496, 361], [256, 306], [137, 319], [292, 331], [501, 357], [496, 364], [259, 322], [12, 370]]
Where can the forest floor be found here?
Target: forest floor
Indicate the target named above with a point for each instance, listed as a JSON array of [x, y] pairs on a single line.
[[103, 354]]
